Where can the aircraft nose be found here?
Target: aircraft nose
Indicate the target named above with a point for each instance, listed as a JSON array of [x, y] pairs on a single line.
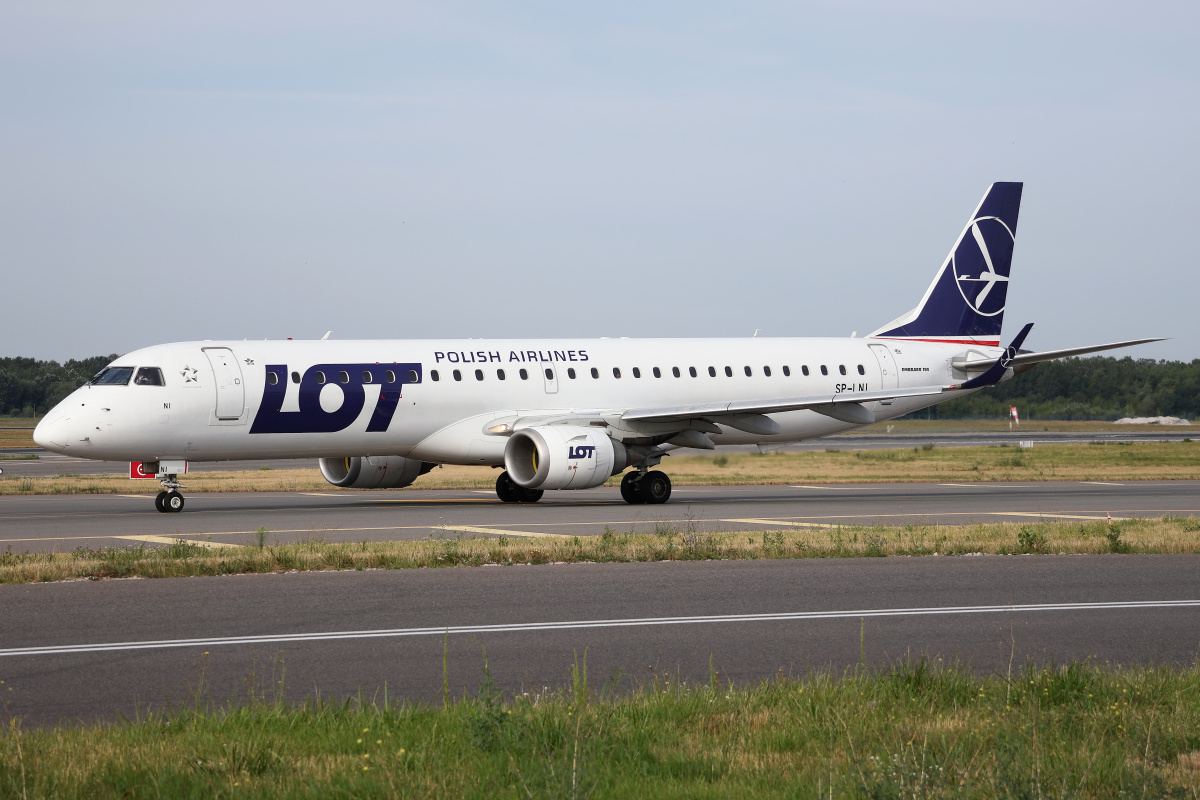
[[51, 433]]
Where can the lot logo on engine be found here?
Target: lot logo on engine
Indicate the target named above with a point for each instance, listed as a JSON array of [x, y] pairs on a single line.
[[582, 451], [331, 397]]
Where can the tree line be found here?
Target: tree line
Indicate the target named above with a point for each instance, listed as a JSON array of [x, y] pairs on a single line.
[[1087, 388], [1072, 388], [29, 387]]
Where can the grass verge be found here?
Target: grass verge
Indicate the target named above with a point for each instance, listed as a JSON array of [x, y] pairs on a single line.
[[448, 548], [1067, 462], [916, 729]]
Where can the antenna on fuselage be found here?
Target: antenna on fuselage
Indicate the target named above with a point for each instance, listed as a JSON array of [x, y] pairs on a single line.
[[756, 330], [327, 335]]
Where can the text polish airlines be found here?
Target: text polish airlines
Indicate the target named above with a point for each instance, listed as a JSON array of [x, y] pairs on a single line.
[[555, 414]]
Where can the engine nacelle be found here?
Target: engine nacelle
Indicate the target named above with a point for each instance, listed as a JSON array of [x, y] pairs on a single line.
[[562, 457], [373, 472]]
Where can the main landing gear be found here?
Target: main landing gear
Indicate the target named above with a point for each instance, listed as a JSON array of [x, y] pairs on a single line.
[[509, 492], [651, 487], [169, 499]]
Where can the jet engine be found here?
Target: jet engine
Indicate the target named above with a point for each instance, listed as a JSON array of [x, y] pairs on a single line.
[[562, 457], [373, 472]]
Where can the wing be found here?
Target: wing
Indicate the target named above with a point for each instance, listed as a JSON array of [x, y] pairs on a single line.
[[748, 415]]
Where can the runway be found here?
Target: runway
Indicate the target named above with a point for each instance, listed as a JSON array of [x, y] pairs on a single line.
[[96, 650], [63, 522]]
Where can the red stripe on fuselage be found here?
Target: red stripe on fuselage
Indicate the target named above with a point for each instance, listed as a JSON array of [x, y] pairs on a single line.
[[995, 343]]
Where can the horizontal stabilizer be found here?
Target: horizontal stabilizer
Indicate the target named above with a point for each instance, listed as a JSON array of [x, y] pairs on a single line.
[[1021, 359]]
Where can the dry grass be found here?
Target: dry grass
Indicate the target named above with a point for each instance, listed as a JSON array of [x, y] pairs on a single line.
[[16, 438], [999, 424], [668, 543]]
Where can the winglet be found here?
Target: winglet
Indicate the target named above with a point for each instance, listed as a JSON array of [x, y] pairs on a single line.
[[996, 372]]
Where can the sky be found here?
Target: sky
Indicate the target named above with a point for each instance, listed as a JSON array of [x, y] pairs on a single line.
[[173, 171]]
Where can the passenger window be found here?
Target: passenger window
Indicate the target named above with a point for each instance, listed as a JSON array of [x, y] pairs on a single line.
[[413, 377], [616, 372], [500, 374], [272, 378], [433, 374], [824, 371], [549, 374], [729, 372], [150, 376], [767, 371], [367, 376], [842, 368], [787, 371], [712, 372], [343, 377], [861, 371], [657, 372], [692, 371], [112, 376], [524, 374], [748, 372], [295, 377], [320, 377], [478, 374], [675, 371], [390, 376], [637, 373], [457, 375], [595, 372], [571, 373], [804, 369]]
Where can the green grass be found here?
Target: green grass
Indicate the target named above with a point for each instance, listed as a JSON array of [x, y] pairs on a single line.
[[916, 729], [670, 540]]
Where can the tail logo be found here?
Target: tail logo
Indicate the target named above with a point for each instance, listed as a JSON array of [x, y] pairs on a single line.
[[974, 272]]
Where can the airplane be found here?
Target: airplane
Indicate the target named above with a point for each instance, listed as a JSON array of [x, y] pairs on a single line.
[[563, 414]]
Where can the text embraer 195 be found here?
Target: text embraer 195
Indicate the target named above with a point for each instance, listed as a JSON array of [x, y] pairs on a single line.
[[555, 414]]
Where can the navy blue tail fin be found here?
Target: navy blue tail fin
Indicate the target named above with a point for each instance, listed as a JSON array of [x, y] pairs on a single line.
[[965, 302]]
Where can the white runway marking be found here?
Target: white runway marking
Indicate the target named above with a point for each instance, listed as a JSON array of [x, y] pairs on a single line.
[[783, 522], [176, 540], [522, 627], [840, 488]]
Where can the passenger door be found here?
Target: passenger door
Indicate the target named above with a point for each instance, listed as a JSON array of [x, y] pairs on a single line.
[[231, 393]]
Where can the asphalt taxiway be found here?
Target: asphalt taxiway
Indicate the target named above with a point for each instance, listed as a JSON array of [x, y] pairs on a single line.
[[48, 464], [100, 649], [64, 522]]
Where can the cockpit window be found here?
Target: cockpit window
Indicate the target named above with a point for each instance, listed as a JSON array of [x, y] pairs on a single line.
[[112, 376], [148, 376]]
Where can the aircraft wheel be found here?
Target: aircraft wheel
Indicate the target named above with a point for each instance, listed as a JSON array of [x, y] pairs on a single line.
[[173, 501], [654, 487], [531, 495], [507, 490], [629, 488], [159, 502]]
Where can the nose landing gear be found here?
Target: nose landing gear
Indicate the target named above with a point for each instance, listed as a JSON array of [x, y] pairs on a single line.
[[169, 499]]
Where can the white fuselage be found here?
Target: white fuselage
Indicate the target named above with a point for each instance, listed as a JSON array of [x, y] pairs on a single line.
[[219, 400]]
